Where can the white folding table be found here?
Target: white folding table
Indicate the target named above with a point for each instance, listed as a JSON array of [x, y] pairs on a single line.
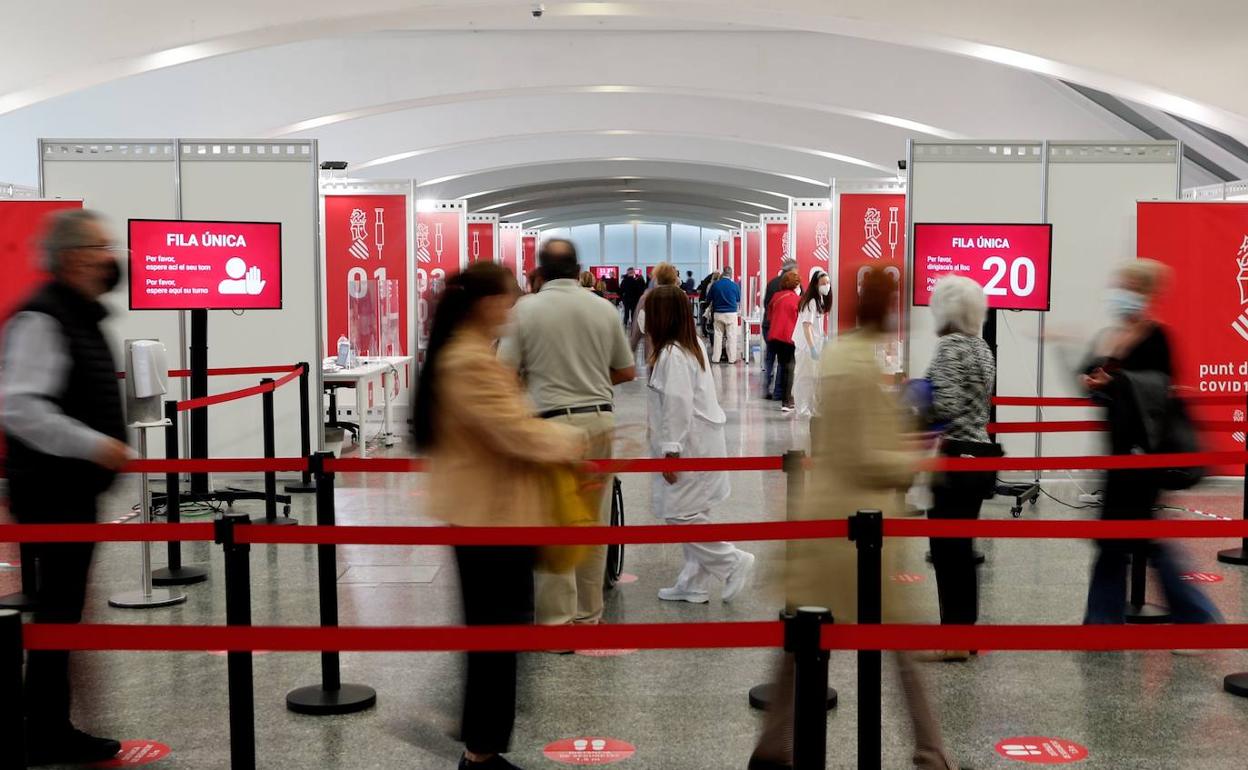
[[369, 369]]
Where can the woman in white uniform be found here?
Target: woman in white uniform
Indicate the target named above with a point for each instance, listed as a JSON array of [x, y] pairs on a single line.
[[685, 420], [808, 338]]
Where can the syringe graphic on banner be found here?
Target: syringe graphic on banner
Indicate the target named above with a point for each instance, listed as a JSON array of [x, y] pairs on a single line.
[[894, 232], [823, 244], [871, 231], [476, 247], [437, 240], [379, 230]]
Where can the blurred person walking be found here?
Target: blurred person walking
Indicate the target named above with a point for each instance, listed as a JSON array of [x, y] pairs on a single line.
[[685, 420], [725, 298], [61, 411], [632, 286], [963, 375], [783, 312], [861, 461], [690, 285], [1130, 373], [772, 390], [664, 274], [488, 456], [808, 339], [570, 349]]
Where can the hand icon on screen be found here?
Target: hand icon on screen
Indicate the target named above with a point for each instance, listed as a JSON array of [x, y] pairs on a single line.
[[241, 280]]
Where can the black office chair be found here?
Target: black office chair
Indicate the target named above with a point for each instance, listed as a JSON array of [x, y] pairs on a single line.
[[331, 388]]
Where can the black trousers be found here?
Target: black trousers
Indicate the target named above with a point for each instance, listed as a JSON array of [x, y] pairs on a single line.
[[784, 353], [497, 586], [630, 309], [957, 584], [62, 590]]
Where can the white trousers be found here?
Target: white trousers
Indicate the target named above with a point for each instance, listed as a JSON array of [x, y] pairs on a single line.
[[805, 383], [726, 325], [704, 561]]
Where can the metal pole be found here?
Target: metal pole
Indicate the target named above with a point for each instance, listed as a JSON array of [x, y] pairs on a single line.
[[238, 613], [270, 452], [12, 707], [146, 597], [331, 696], [199, 389], [305, 430], [1139, 610], [866, 528], [803, 632], [24, 599], [175, 573], [1238, 556]]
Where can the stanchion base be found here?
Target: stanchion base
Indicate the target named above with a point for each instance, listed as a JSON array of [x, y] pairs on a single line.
[[979, 557], [1234, 556], [137, 600], [182, 576], [1147, 614], [280, 521], [300, 488], [762, 696], [318, 701], [18, 601], [1236, 684]]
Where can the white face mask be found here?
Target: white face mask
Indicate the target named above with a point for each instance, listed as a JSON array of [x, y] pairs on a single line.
[[797, 290], [825, 289]]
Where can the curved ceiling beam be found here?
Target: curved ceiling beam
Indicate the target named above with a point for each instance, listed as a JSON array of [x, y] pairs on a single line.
[[626, 185], [402, 105], [551, 201]]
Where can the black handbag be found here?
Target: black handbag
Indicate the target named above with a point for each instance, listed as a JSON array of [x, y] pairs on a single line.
[[1179, 437], [971, 483]]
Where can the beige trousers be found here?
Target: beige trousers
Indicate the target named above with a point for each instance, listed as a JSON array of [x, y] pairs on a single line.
[[575, 596]]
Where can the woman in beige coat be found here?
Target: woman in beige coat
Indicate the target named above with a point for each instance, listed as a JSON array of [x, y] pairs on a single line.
[[861, 461], [488, 458]]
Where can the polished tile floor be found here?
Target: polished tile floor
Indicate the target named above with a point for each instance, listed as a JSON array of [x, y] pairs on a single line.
[[679, 710]]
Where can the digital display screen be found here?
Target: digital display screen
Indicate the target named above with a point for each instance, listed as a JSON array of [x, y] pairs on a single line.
[[203, 265], [1011, 262]]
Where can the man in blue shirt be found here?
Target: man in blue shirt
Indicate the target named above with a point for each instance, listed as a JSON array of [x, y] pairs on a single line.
[[725, 298]]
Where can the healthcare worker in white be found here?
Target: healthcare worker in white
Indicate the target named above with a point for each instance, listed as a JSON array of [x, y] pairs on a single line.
[[685, 420], [808, 338]]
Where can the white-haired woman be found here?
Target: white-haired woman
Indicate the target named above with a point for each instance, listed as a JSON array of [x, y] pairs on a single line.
[[963, 375]]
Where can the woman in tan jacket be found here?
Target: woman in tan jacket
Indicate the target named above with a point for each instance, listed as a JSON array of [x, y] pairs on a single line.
[[861, 461], [488, 456]]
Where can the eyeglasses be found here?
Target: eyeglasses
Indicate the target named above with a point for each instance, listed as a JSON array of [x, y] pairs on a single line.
[[109, 247]]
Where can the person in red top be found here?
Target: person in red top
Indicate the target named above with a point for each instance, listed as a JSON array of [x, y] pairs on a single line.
[[783, 314]]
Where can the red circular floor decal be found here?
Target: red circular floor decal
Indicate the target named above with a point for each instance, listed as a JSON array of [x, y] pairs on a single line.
[[1201, 577], [605, 653], [1041, 751], [907, 577], [626, 578], [589, 751], [135, 753]]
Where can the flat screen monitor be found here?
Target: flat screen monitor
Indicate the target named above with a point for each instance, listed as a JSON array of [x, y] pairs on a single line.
[[178, 264], [1011, 262]]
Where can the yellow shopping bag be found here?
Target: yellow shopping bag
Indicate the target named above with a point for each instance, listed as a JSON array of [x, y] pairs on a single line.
[[570, 506]]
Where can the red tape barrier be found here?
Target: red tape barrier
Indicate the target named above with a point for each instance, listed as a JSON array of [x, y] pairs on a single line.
[[641, 465], [1194, 399], [231, 371], [234, 395], [1107, 462], [642, 636], [1082, 529], [1096, 426], [220, 465]]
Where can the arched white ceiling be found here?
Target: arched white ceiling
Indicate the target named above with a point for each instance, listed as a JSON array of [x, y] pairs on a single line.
[[712, 105]]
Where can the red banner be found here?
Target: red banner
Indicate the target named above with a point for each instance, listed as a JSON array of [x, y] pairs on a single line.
[[752, 265], [1205, 302], [872, 230], [21, 230], [528, 253], [508, 246], [777, 249], [1011, 262], [365, 240], [736, 256], [481, 241], [812, 239], [437, 258], [608, 274]]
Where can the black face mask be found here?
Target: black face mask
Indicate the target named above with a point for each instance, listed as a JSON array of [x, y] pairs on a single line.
[[112, 276]]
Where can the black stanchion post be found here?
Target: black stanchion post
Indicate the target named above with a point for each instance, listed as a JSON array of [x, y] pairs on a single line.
[[866, 528], [1239, 556], [331, 696], [305, 429], [24, 599], [238, 613], [1139, 610], [270, 452], [762, 695], [12, 716], [803, 638], [174, 574]]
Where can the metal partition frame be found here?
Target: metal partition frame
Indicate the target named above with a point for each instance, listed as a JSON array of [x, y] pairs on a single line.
[[485, 219]]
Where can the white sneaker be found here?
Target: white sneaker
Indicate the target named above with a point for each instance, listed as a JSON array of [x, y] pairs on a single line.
[[674, 594], [739, 577], [786, 408]]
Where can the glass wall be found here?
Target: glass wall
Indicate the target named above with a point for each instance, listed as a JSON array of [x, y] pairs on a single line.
[[585, 238], [642, 244], [619, 245]]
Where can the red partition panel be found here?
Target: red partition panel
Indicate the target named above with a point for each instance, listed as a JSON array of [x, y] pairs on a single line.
[[438, 254], [871, 231], [812, 236], [365, 239], [21, 229]]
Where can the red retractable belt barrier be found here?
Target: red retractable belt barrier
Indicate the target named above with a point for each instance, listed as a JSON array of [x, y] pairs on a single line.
[[220, 465], [1075, 529], [644, 636], [1107, 462], [234, 395], [641, 465], [104, 533], [1096, 426], [1193, 399]]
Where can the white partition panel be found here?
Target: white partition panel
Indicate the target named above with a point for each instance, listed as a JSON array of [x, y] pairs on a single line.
[[1092, 191], [264, 182], [979, 182], [123, 179]]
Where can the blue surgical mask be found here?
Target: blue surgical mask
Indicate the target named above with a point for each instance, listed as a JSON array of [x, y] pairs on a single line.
[[1124, 304]]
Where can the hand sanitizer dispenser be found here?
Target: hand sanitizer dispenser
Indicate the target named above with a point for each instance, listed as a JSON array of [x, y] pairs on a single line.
[[147, 381]]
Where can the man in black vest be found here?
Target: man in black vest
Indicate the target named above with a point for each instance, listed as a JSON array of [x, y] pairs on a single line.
[[61, 412]]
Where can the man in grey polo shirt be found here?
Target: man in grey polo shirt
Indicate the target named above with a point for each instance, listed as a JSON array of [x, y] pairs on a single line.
[[570, 349]]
